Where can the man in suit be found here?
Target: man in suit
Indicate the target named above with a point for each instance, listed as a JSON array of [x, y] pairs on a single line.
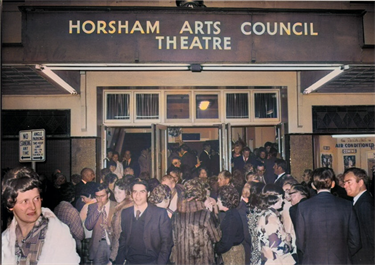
[[356, 182], [146, 236], [205, 156], [99, 218], [269, 175], [327, 228], [128, 161], [187, 157], [87, 175], [279, 169], [240, 161]]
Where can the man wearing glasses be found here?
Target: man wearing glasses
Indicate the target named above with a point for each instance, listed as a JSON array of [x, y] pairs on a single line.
[[146, 236], [99, 217]]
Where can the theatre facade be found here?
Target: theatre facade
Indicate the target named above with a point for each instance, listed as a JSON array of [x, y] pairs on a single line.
[[148, 74]]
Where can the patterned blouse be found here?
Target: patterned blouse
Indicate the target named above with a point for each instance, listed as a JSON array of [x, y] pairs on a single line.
[[275, 244], [252, 222], [28, 249]]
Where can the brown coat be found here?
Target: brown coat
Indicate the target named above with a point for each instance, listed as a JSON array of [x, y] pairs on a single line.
[[195, 229], [116, 227]]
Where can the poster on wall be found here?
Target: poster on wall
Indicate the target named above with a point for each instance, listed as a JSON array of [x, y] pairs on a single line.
[[371, 164], [326, 160], [349, 161]]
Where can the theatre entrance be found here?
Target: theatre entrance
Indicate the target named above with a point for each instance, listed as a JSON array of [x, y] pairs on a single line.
[[161, 140]]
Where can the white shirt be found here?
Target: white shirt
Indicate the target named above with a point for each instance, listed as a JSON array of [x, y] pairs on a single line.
[[355, 199]]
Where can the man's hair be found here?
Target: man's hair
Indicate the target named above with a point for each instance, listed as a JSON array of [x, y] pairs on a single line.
[[194, 188], [20, 179], [268, 144], [140, 182], [273, 152], [359, 173], [89, 189], [145, 175], [166, 177], [102, 186], [67, 192], [160, 193], [76, 178], [206, 144], [281, 163], [229, 196], [323, 178], [270, 195], [246, 149], [185, 147], [111, 163], [175, 170], [110, 178]]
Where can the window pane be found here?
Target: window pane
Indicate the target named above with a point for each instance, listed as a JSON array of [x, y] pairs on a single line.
[[147, 106], [266, 105], [177, 106], [237, 106], [207, 107], [118, 106]]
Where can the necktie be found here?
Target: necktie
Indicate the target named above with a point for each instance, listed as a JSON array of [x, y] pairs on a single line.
[[138, 213], [104, 221]]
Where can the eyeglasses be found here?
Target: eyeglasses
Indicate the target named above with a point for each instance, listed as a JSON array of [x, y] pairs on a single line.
[[290, 193]]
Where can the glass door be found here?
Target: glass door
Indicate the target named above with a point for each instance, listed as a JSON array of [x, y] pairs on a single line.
[[159, 148]]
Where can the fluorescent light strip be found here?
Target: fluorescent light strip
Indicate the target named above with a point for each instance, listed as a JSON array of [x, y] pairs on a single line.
[[352, 135], [55, 78], [324, 80]]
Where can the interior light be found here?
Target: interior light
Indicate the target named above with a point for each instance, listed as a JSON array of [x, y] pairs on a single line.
[[352, 135], [203, 105]]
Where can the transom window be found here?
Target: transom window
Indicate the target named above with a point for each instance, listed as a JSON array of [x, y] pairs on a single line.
[[193, 105]]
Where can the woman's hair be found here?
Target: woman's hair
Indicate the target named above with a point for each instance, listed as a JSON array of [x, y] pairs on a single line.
[[160, 193], [194, 188], [152, 183], [123, 184], [110, 178], [229, 196], [205, 169], [270, 195], [226, 174], [302, 189], [238, 178], [255, 193], [17, 180], [144, 175]]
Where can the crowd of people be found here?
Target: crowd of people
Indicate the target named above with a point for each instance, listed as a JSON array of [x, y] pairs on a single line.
[[195, 214]]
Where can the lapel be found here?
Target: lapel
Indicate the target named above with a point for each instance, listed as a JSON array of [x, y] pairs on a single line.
[[148, 215], [129, 220]]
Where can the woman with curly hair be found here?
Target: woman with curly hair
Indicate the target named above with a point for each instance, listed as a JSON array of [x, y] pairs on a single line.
[[274, 242], [161, 196], [229, 246], [195, 229], [122, 196]]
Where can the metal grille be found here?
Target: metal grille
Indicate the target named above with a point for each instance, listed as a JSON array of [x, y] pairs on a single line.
[[343, 119]]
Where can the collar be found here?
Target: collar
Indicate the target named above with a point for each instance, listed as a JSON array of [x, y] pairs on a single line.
[[279, 176], [83, 181], [107, 205], [141, 210], [355, 199], [319, 191]]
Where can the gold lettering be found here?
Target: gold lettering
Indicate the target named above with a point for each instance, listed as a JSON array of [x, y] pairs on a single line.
[[111, 24], [196, 43], [286, 29], [152, 29], [312, 33], [92, 27], [186, 27], [101, 27], [184, 43], [137, 27], [294, 28], [120, 26], [77, 26]]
